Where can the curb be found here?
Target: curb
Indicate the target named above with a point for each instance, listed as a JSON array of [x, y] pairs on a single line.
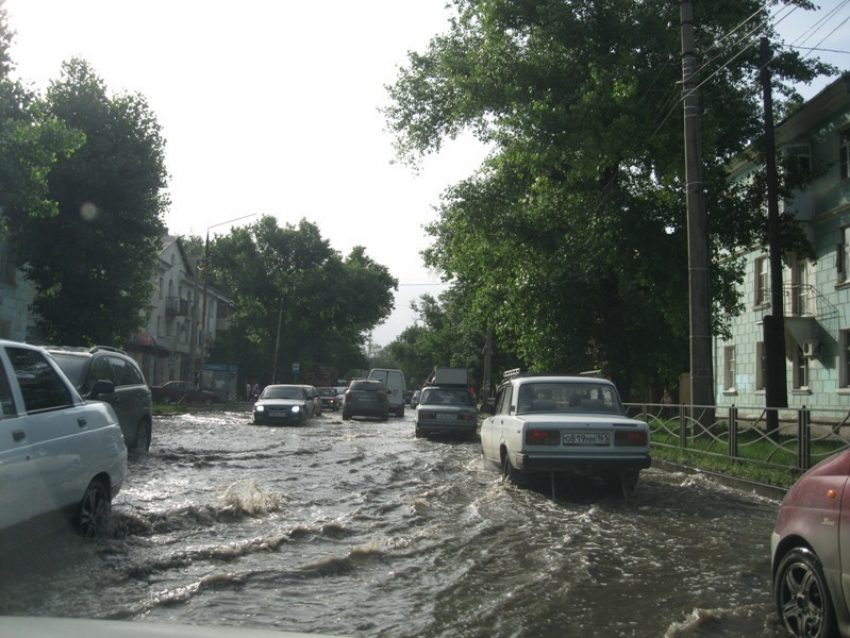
[[762, 489]]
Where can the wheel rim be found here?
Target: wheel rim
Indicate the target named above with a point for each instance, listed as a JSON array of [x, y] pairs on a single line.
[[94, 511], [802, 601]]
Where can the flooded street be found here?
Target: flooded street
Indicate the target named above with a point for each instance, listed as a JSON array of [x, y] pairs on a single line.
[[357, 528]]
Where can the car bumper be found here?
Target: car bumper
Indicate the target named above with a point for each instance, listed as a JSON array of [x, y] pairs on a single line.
[[581, 464], [443, 427], [279, 420]]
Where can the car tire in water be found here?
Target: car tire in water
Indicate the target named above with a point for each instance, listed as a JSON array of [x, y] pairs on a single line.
[[93, 512], [801, 596], [346, 415], [143, 437], [511, 474]]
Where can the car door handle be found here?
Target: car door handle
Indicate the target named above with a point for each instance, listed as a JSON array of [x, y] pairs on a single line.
[[18, 435], [82, 422]]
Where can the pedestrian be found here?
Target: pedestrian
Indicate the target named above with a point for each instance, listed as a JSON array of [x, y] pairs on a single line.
[[666, 402], [248, 391], [255, 391]]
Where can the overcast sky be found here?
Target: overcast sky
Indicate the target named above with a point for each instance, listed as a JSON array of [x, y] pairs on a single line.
[[271, 107]]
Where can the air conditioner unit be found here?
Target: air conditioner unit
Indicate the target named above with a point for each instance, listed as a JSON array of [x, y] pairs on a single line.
[[811, 348]]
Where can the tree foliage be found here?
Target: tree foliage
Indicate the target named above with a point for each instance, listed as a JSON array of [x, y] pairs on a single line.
[[445, 334], [31, 141], [572, 235], [91, 248], [296, 299]]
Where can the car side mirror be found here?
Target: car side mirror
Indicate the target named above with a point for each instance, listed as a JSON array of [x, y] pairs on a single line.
[[102, 386], [487, 408]]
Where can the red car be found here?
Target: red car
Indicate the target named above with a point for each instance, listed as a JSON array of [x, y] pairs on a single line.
[[182, 392], [810, 552]]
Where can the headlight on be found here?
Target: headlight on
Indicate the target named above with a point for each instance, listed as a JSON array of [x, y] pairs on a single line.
[[296, 409], [259, 408]]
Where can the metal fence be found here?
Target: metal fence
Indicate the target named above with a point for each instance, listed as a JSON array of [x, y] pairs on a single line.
[[796, 439]]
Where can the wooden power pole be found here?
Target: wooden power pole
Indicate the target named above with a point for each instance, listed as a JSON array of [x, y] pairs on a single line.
[[702, 378], [776, 386]]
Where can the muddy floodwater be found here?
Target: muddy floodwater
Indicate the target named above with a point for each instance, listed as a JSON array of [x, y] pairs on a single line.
[[356, 528]]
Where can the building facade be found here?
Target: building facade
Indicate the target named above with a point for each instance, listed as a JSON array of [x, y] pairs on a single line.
[[175, 341], [816, 292]]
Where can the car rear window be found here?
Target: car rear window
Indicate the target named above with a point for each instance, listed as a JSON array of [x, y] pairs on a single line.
[[368, 386], [72, 365]]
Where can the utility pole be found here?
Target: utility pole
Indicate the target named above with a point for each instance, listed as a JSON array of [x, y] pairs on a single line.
[[702, 378], [776, 386]]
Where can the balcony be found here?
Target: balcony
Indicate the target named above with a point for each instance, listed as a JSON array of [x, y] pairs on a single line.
[[176, 307]]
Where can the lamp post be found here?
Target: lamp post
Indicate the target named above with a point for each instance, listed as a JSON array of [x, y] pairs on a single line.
[[206, 280]]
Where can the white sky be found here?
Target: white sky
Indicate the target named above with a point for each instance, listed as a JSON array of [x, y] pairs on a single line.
[[271, 107]]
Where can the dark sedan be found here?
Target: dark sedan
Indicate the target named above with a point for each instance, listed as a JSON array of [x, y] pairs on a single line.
[[283, 405], [810, 552], [328, 397], [182, 392]]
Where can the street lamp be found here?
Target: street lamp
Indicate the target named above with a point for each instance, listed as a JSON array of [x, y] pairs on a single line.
[[206, 278]]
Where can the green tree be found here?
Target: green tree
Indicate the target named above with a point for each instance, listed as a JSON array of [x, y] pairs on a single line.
[[31, 142], [573, 233], [296, 299], [91, 260]]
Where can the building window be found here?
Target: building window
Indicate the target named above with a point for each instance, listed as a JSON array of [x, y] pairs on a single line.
[[760, 366], [844, 155], [762, 281], [842, 251], [800, 287], [729, 368], [801, 370], [844, 358]]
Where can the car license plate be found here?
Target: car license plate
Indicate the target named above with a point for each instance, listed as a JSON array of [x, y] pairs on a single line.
[[445, 417], [587, 438], [277, 413]]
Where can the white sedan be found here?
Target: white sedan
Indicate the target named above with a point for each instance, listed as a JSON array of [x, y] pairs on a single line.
[[57, 451], [568, 425]]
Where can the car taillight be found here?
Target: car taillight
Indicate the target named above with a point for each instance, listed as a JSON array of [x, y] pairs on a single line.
[[626, 437], [542, 437], [382, 397], [465, 416], [427, 415]]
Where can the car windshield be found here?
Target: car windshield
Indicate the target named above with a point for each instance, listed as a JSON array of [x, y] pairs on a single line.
[[282, 392], [326, 392], [568, 397], [437, 396]]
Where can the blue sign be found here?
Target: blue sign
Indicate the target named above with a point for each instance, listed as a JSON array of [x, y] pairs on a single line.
[[296, 366]]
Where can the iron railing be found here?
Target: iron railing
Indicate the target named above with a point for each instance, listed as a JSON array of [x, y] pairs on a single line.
[[804, 436]]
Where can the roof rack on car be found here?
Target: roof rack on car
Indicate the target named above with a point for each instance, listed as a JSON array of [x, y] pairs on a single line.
[[512, 373], [108, 348]]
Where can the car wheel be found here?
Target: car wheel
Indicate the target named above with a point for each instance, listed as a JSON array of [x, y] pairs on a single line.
[[801, 596], [385, 416], [400, 412], [143, 437], [511, 474], [417, 433], [346, 415], [93, 513]]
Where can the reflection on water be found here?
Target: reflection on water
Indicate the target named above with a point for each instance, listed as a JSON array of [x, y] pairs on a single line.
[[358, 528]]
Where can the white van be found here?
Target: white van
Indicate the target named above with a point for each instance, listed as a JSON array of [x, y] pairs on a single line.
[[393, 381]]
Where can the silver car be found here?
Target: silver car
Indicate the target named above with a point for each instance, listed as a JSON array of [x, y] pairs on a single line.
[[60, 453], [563, 424]]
